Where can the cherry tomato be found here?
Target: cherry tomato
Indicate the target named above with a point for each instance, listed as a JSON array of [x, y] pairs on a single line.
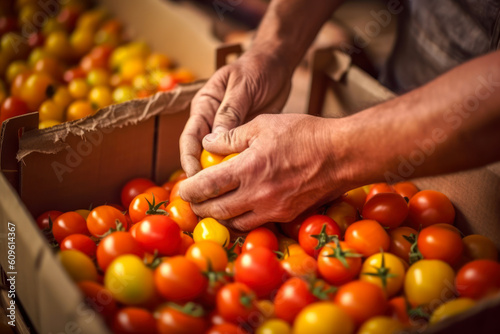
[[43, 220], [58, 45], [338, 264], [181, 320], [236, 302], [378, 188], [292, 228], [380, 324], [129, 280], [478, 279], [180, 211], [159, 233], [179, 279], [211, 229], [98, 298], [11, 107], [79, 109], [134, 320], [361, 300], [69, 223], [103, 218], [450, 309], [315, 232], [274, 326], [429, 207], [114, 245], [401, 241], [78, 265], [367, 237], [133, 188], [343, 213], [260, 237], [144, 205], [260, 270], [73, 74], [15, 68], [323, 318], [49, 110], [441, 242], [406, 189], [300, 265], [49, 66], [388, 209], [100, 96], [478, 247], [208, 159], [385, 270], [79, 242], [79, 88], [186, 242], [398, 309], [174, 193], [17, 84], [355, 197], [292, 297], [208, 255], [226, 328]]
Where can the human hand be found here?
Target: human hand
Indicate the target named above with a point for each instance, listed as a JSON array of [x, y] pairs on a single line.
[[287, 164], [255, 83]]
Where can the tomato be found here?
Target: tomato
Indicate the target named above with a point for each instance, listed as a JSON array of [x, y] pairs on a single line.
[[406, 189], [300, 265], [450, 309], [98, 298], [179, 279], [361, 300], [82, 41], [441, 242], [166, 83], [11, 107], [230, 156], [226, 328], [236, 302], [174, 193], [385, 270], [62, 97], [401, 241], [159, 233], [129, 280], [292, 297], [49, 110], [16, 86], [79, 88], [429, 207], [355, 197], [208, 255], [78, 265], [175, 319], [58, 45], [323, 318], [134, 320], [211, 229], [260, 270], [15, 68], [73, 74], [144, 205], [186, 242], [379, 188], [208, 159], [183, 75], [274, 326], [180, 211], [133, 188], [89, 63], [157, 61], [292, 228], [43, 220], [260, 237], [343, 213], [79, 109], [315, 232], [103, 218], [367, 237], [478, 279], [388, 209], [98, 77], [478, 247], [79, 242], [100, 96], [381, 325], [338, 263], [398, 309], [122, 93], [49, 66], [48, 124], [114, 245], [69, 223], [429, 282]]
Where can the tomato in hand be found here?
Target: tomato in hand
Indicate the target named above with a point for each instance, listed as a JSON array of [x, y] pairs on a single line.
[[388, 209], [11, 107], [316, 231], [385, 270], [158, 233], [260, 237], [79, 242], [292, 297], [367, 237], [478, 279], [180, 211], [441, 242], [429, 207], [69, 223], [338, 263], [181, 320], [133, 188], [208, 159], [98, 298], [134, 320], [236, 302], [114, 245], [104, 218], [401, 241], [43, 220]]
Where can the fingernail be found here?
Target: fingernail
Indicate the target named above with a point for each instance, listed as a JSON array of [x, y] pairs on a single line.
[[211, 137], [219, 129]]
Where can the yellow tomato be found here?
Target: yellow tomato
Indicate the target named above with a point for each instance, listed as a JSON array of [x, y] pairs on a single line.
[[451, 308], [355, 197], [131, 68], [100, 97], [211, 229], [123, 94], [58, 44], [274, 326], [79, 109], [78, 265], [16, 67], [343, 213], [385, 270], [47, 124], [36, 55], [157, 61], [14, 46], [98, 77], [52, 25], [208, 159], [62, 97], [323, 318], [49, 110], [82, 41], [78, 88], [91, 19], [381, 325], [266, 308], [83, 212], [229, 157], [34, 90]]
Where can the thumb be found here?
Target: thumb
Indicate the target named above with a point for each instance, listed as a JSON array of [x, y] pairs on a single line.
[[233, 141]]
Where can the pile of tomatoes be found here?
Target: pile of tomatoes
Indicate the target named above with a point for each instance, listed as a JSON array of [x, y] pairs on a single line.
[[67, 60], [380, 259]]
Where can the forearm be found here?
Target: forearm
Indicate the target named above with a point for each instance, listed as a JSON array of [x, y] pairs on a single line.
[[289, 27], [450, 124]]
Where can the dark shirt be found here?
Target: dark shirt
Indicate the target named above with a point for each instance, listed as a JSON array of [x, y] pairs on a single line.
[[437, 35]]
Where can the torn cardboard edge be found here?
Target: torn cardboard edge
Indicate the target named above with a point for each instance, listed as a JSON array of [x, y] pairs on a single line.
[[52, 140]]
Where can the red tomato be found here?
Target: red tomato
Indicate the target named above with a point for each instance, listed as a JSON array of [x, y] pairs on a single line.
[[179, 279], [441, 242], [378, 188], [178, 320], [260, 237], [367, 237], [103, 218], [400, 245], [159, 233], [133, 188], [79, 242], [43, 220], [315, 232], [291, 298], [236, 302], [168, 186], [292, 228], [429, 207], [144, 205], [11, 107], [36, 39], [98, 297], [361, 300], [398, 309], [175, 191], [478, 279], [388, 209], [114, 245], [226, 328], [186, 242], [134, 320], [69, 223], [406, 189], [260, 270], [160, 193], [338, 265], [180, 211]]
